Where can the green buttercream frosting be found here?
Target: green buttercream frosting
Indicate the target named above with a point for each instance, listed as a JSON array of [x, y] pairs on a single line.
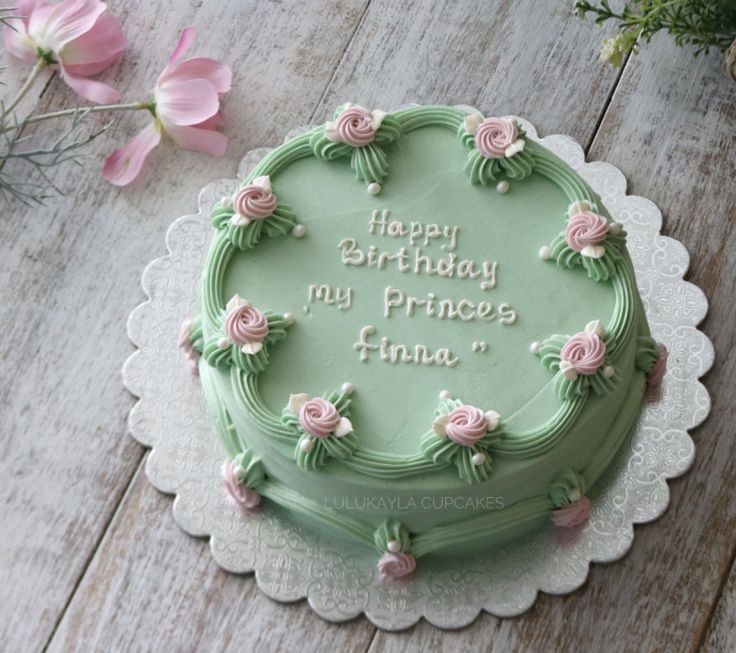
[[251, 464], [279, 223], [231, 354], [647, 353], [369, 162], [391, 530], [562, 489]]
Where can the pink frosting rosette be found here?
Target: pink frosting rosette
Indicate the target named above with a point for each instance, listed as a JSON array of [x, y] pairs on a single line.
[[466, 425], [583, 353], [185, 344], [255, 201], [319, 417], [656, 374], [574, 515], [396, 565], [585, 232], [240, 494], [494, 136], [355, 126], [245, 325]]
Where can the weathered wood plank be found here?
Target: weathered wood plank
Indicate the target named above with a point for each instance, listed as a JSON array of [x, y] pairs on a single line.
[[70, 274], [526, 58], [155, 588], [670, 129], [721, 633]]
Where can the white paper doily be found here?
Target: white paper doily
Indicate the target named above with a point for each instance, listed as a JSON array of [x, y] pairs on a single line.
[[339, 580]]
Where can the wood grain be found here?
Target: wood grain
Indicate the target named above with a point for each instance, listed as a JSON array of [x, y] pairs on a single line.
[[71, 274]]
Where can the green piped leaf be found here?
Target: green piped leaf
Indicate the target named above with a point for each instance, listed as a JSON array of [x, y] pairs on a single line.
[[279, 223], [221, 357], [369, 163], [647, 353], [444, 451], [561, 488], [598, 269], [391, 530], [322, 448]]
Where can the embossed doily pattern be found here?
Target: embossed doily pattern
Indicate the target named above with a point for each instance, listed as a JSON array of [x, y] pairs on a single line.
[[339, 580]]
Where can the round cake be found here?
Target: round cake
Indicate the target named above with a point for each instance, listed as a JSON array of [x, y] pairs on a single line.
[[419, 331]]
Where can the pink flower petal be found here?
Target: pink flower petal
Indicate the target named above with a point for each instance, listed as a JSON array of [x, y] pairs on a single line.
[[196, 138], [218, 74], [186, 103], [17, 41], [97, 49], [218, 120], [53, 25], [124, 164], [188, 34], [90, 89]]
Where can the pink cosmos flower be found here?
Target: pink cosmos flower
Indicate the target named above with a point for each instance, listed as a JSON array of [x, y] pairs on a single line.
[[186, 105], [76, 36]]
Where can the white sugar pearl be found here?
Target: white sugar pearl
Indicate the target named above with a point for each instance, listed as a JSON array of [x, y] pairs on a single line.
[[445, 394], [394, 546], [574, 495], [226, 202], [608, 372], [374, 188], [478, 459], [347, 388], [545, 252], [306, 445], [238, 473], [502, 187], [535, 347], [223, 343], [298, 231], [289, 318], [615, 228]]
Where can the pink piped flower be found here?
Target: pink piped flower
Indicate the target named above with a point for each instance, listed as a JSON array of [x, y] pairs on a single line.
[[185, 344], [574, 515], [355, 126], [495, 138], [584, 353], [240, 494], [656, 374], [319, 417], [255, 201], [186, 106], [245, 325], [586, 230], [396, 565], [77, 37], [466, 425]]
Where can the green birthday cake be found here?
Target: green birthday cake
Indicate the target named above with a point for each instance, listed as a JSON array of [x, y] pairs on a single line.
[[419, 331]]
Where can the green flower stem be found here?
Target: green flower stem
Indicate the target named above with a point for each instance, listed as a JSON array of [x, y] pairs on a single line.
[[40, 65], [99, 108]]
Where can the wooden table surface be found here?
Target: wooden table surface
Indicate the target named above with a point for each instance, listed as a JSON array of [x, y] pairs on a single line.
[[90, 556]]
